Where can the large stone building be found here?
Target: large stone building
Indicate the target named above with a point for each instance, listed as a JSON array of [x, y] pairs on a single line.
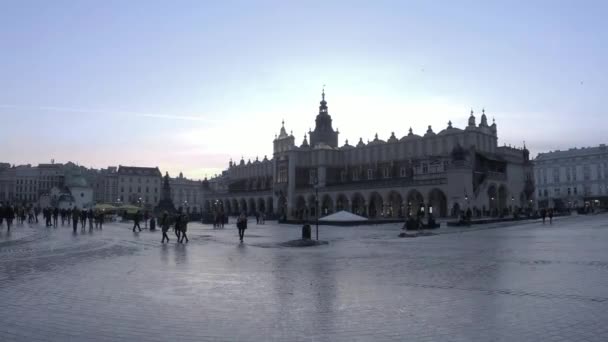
[[186, 193], [139, 185], [443, 173], [572, 179]]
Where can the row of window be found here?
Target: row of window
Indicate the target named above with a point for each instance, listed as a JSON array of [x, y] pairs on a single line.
[[154, 181], [570, 191], [571, 173], [122, 189]]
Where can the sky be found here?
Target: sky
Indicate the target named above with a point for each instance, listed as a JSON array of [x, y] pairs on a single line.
[[187, 85]]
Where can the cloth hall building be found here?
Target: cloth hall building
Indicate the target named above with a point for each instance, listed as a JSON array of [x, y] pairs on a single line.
[[443, 173]]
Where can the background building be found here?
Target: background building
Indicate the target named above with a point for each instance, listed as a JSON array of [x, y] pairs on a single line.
[[443, 173], [139, 185], [186, 193], [572, 178]]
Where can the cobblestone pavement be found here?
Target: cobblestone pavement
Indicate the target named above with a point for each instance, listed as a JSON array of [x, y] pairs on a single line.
[[522, 283]]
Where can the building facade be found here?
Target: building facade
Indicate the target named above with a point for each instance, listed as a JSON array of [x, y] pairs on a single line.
[[186, 193], [574, 178], [442, 173], [139, 185]]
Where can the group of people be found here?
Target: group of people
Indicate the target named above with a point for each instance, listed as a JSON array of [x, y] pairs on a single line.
[[547, 212], [179, 221], [51, 215]]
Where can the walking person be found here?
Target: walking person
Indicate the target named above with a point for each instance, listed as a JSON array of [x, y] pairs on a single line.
[[101, 219], [9, 215], [184, 227], [136, 220], [55, 217], [37, 212], [178, 224], [83, 219], [543, 214], [75, 218], [550, 215], [164, 223], [257, 217], [91, 216], [241, 224]]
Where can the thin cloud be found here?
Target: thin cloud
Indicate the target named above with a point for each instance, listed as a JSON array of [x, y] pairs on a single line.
[[107, 112]]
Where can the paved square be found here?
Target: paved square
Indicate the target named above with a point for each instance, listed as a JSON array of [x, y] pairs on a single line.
[[523, 283]]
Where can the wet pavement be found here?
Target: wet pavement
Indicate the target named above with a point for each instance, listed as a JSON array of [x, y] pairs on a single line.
[[521, 283]]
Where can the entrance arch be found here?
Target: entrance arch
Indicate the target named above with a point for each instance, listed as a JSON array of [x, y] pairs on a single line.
[[327, 205], [358, 204], [251, 206], [395, 204], [342, 203], [243, 206], [438, 203], [375, 205], [493, 200], [415, 201]]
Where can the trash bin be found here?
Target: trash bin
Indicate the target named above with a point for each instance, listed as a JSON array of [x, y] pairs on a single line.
[[306, 232], [152, 224]]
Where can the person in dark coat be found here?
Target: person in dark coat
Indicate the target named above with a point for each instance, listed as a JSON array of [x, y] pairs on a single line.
[[550, 215], [55, 217], [164, 224], [91, 216], [83, 219], [543, 214], [75, 217], [183, 227], [9, 215], [136, 220], [241, 224]]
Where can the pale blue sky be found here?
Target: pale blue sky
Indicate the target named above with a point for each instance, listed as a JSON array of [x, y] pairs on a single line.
[[185, 85]]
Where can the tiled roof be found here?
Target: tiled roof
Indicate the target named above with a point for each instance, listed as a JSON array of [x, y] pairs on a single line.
[[139, 171]]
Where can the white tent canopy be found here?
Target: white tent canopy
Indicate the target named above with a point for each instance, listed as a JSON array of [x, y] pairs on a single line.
[[343, 216]]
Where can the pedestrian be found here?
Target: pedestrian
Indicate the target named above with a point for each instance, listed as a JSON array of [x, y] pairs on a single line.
[[37, 212], [75, 218], [184, 227], [83, 219], [241, 224], [101, 219], [550, 215], [136, 220], [91, 216], [164, 223], [9, 215], [152, 223], [543, 214], [55, 217], [178, 224], [257, 217]]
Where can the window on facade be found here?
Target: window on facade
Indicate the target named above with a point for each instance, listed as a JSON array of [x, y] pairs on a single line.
[[586, 172], [540, 193], [569, 192], [355, 175], [555, 175], [546, 193], [370, 174], [574, 173], [425, 168], [343, 176], [155, 190], [139, 189], [575, 190], [403, 172], [556, 191], [147, 189], [386, 172]]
